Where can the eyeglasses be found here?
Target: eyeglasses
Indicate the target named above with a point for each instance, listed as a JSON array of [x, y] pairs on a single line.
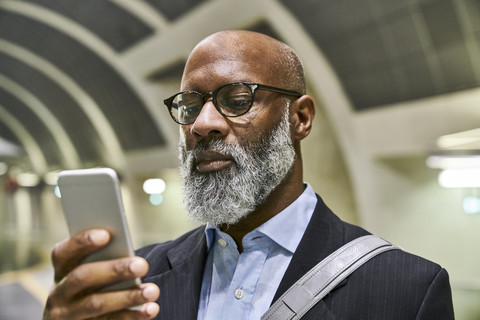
[[231, 100]]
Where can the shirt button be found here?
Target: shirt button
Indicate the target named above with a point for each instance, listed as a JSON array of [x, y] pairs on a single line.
[[239, 293], [222, 242]]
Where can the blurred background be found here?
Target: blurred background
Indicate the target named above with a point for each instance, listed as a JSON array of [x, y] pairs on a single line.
[[395, 146]]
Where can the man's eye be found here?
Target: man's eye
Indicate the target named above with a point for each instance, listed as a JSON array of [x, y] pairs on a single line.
[[237, 102], [188, 110]]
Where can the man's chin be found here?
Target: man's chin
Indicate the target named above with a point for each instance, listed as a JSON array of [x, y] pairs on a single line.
[[221, 219]]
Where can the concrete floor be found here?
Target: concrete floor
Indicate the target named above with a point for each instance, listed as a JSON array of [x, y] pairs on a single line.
[[23, 293]]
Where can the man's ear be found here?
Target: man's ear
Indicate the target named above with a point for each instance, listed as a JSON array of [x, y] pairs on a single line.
[[302, 112]]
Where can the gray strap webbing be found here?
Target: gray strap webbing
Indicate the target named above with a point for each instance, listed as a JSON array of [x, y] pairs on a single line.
[[325, 276]]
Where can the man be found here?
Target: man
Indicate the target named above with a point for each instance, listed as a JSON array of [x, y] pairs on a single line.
[[243, 112]]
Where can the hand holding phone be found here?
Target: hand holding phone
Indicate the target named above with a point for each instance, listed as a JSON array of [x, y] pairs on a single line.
[[91, 199], [90, 261], [75, 294]]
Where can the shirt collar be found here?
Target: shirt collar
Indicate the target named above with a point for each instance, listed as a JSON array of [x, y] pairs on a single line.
[[287, 227]]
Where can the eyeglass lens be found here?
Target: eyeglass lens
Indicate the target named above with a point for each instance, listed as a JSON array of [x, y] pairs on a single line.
[[231, 100]]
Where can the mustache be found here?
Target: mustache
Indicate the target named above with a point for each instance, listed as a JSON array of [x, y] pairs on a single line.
[[189, 157], [217, 145]]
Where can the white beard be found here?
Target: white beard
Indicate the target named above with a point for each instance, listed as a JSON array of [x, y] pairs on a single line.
[[227, 196]]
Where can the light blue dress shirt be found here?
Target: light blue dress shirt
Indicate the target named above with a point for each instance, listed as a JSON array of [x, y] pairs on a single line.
[[242, 286]]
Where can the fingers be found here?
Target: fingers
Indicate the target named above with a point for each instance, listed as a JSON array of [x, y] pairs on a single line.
[[67, 254], [111, 305], [77, 295], [105, 303], [77, 291], [148, 311], [90, 277]]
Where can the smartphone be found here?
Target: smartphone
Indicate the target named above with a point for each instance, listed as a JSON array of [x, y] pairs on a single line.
[[91, 198]]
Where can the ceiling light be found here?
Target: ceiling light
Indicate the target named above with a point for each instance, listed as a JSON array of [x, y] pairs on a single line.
[[460, 178], [51, 178], [453, 161], [28, 179], [156, 199], [154, 186], [471, 205], [464, 140]]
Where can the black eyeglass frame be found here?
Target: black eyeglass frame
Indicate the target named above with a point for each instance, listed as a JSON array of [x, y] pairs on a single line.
[[213, 94]]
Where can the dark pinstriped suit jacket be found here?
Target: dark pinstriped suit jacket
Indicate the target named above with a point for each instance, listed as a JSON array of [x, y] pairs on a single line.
[[393, 285]]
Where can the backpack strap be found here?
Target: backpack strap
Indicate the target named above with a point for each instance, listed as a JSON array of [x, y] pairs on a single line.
[[325, 276]]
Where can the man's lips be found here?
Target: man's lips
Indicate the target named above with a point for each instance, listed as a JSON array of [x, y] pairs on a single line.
[[209, 161]]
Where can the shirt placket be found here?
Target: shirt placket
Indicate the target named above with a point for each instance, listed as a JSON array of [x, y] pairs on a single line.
[[244, 282]]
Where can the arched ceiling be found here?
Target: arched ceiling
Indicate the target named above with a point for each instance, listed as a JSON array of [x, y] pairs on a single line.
[[81, 81]]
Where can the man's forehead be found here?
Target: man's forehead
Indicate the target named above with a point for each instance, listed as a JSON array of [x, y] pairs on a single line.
[[236, 45], [209, 76], [230, 51], [227, 59]]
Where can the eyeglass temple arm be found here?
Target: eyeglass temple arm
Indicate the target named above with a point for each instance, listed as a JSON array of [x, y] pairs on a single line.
[[278, 90]]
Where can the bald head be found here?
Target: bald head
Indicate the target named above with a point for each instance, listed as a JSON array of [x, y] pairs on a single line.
[[265, 57]]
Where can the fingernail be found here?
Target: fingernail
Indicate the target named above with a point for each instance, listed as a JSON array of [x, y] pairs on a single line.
[[99, 237], [149, 293], [137, 266], [152, 309]]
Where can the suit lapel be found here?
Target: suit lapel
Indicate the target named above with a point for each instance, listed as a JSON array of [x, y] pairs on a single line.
[[180, 286], [323, 235]]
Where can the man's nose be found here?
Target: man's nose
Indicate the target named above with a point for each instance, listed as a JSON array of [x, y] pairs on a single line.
[[209, 122]]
